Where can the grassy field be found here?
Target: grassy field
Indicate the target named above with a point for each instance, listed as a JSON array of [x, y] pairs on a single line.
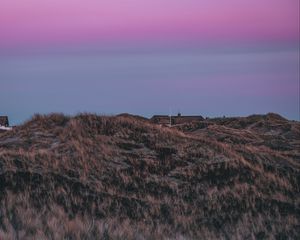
[[123, 177]]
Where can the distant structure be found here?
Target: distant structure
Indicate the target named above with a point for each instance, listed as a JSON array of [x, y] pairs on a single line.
[[173, 120], [4, 121], [4, 124]]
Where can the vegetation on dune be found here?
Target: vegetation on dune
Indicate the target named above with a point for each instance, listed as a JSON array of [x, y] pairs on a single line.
[[122, 177]]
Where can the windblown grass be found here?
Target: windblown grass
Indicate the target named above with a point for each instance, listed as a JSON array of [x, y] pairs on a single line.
[[103, 177]]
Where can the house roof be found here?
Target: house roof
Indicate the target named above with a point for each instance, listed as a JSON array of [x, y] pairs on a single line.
[[176, 116]]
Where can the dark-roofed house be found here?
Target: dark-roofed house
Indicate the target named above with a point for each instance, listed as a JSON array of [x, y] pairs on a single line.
[[179, 119], [4, 121]]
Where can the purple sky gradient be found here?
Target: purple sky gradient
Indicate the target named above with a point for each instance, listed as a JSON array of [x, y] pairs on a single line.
[[46, 22], [210, 57]]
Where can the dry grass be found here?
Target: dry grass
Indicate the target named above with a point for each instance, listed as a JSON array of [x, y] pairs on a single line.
[[101, 177]]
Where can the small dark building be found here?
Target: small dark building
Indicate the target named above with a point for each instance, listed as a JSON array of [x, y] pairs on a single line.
[[161, 119], [4, 121], [179, 119]]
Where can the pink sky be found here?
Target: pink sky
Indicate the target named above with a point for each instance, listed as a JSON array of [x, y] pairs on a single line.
[[30, 22]]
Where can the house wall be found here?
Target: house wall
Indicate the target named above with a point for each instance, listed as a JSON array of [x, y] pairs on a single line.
[[165, 120], [161, 120], [185, 119], [4, 121]]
